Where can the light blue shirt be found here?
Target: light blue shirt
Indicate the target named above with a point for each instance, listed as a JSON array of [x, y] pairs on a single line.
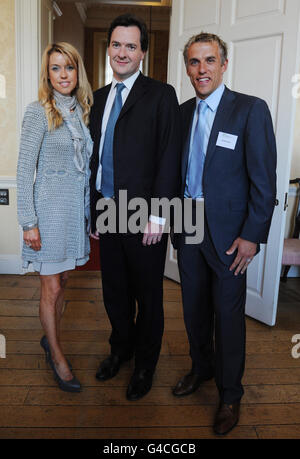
[[212, 101]]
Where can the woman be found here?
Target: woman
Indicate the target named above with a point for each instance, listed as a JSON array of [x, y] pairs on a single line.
[[53, 208]]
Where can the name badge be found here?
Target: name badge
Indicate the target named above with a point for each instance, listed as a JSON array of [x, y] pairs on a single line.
[[226, 140]]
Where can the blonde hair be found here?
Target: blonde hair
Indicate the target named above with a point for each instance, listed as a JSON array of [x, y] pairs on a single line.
[[82, 91]]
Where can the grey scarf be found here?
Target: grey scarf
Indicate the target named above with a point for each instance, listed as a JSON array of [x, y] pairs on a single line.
[[64, 105]]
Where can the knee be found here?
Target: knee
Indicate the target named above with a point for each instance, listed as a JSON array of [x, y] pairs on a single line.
[[63, 280], [51, 291]]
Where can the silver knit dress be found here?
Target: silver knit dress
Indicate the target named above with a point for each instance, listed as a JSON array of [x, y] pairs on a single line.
[[52, 193]]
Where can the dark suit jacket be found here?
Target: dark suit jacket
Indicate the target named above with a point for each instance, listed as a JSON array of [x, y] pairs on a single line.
[[147, 142], [239, 185]]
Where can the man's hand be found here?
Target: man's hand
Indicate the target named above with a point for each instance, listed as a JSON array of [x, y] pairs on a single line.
[[95, 235], [32, 239], [245, 253], [153, 233]]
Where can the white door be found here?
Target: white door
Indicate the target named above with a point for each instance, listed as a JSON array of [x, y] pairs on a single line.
[[263, 40]]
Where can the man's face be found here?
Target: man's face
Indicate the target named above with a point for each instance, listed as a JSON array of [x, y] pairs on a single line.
[[204, 67], [125, 51]]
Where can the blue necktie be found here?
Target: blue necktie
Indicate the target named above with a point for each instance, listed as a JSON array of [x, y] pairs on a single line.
[[197, 155], [107, 177]]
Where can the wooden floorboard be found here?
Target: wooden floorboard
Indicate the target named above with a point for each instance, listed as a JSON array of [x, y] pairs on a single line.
[[32, 406]]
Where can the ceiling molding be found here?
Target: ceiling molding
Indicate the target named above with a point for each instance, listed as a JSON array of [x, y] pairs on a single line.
[[81, 8], [102, 15], [93, 3]]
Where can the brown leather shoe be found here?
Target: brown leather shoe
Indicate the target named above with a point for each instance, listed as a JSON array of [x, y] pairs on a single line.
[[226, 418], [189, 384]]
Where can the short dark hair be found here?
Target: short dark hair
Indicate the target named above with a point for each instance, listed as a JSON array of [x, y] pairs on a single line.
[[129, 20], [206, 38]]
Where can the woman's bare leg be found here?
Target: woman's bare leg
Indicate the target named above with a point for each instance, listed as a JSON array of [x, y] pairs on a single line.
[[61, 302], [51, 296]]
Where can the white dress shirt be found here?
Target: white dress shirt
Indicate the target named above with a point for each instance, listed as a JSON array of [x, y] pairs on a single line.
[[108, 106]]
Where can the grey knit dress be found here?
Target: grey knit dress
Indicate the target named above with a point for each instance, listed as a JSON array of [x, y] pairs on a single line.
[[51, 191]]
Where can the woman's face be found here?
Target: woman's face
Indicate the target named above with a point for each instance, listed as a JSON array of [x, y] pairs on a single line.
[[62, 74]]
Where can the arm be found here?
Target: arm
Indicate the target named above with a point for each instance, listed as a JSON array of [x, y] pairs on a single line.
[[168, 142], [33, 130], [260, 154], [94, 163], [261, 157]]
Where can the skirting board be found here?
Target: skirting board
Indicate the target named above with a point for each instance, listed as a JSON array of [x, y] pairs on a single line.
[[10, 264]]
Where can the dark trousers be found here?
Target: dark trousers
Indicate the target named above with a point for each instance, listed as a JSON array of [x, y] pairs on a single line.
[[214, 307], [132, 272]]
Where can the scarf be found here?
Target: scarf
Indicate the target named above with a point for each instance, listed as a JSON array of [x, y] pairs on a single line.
[[64, 105]]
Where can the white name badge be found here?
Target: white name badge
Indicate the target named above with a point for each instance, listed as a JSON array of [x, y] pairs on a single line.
[[226, 140]]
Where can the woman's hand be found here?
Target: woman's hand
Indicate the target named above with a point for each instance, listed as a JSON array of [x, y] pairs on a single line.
[[32, 239], [94, 235]]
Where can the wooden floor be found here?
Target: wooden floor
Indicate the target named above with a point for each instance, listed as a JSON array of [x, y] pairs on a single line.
[[32, 406]]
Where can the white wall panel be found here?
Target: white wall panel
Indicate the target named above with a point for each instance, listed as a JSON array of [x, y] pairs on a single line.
[[201, 13], [252, 9], [261, 79]]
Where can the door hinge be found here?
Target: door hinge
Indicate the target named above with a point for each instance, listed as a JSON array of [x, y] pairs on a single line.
[[286, 205]]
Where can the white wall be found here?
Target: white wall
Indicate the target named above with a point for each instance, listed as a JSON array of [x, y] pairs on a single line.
[[9, 229]]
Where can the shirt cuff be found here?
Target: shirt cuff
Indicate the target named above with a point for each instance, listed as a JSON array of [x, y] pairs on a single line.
[[157, 220]]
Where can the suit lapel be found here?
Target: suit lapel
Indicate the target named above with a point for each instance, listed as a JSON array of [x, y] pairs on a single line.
[[221, 119], [137, 91]]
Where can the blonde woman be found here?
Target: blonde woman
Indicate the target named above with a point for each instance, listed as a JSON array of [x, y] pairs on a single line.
[[53, 190]]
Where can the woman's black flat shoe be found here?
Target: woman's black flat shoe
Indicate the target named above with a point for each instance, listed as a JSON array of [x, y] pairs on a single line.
[[73, 385], [45, 345]]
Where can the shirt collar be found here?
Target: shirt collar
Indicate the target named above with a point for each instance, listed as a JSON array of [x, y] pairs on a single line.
[[214, 99], [129, 82]]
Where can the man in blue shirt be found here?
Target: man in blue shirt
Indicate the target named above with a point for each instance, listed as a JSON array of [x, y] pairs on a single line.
[[229, 163]]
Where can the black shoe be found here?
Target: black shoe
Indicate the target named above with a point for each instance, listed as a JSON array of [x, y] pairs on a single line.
[[226, 418], [45, 345], [110, 367], [73, 385], [189, 384], [139, 385]]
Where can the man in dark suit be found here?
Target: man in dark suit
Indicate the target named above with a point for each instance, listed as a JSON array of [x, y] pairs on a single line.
[[229, 163], [135, 125]]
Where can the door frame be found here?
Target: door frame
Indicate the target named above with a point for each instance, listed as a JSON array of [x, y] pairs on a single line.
[[28, 61]]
